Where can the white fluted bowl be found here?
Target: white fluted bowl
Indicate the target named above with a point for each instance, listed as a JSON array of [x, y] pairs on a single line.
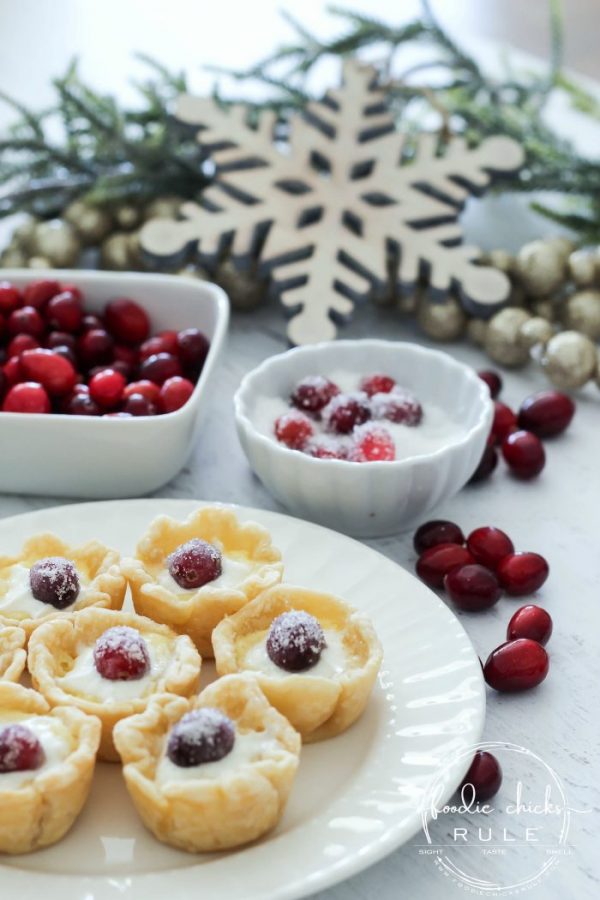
[[376, 498]]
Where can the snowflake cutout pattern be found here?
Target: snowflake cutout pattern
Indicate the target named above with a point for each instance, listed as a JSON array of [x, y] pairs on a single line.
[[324, 213]]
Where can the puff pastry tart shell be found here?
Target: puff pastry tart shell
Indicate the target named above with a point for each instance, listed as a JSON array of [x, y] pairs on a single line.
[[42, 809], [102, 583], [55, 647], [205, 814], [13, 654], [318, 706], [197, 612]]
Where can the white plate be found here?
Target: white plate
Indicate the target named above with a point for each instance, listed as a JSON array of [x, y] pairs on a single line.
[[356, 797]]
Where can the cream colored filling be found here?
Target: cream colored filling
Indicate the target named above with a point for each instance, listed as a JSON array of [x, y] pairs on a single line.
[[234, 572], [249, 747], [18, 602]]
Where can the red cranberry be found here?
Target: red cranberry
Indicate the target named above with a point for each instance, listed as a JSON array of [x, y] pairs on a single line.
[[524, 453], [20, 343], [26, 397], [192, 349], [20, 750], [399, 406], [160, 367], [155, 345], [66, 353], [82, 405], [472, 587], [52, 371], [530, 622], [121, 654], [115, 366], [489, 545], [38, 293], [127, 321], [60, 339], [91, 321], [521, 574], [106, 388], [295, 641], [326, 448], [504, 421], [26, 320], [128, 355], [3, 383], [377, 384], [483, 779], [372, 443], [10, 298], [12, 371], [138, 405], [294, 429], [493, 381], [54, 580], [547, 413], [194, 564], [516, 665], [345, 411], [175, 393], [435, 563], [313, 393], [95, 348], [170, 341], [437, 531], [147, 388], [64, 312], [201, 736], [74, 290], [487, 463]]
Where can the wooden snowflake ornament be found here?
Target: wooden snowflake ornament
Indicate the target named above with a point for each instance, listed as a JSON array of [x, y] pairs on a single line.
[[325, 213]]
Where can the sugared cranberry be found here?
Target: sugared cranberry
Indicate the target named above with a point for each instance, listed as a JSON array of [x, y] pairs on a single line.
[[201, 736], [326, 447], [472, 587], [530, 622], [127, 321], [547, 413], [138, 405], [26, 397], [516, 665], [437, 531], [294, 429], [20, 343], [91, 321], [399, 407], [194, 563], [54, 580], [95, 348], [372, 443], [345, 411], [521, 573], [504, 421], [106, 388], [489, 545], [377, 384], [10, 298], [175, 393], [524, 453], [483, 779], [192, 350], [20, 750], [121, 654], [147, 388], [435, 563], [313, 393], [295, 641], [487, 463], [60, 339], [38, 293], [50, 369], [26, 320], [82, 405], [159, 368], [493, 381], [64, 312]]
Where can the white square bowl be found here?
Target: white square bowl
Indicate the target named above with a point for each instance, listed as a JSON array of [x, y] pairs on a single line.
[[87, 456]]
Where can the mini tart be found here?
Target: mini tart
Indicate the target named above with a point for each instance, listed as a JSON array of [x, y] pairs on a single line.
[[56, 647], [102, 583], [198, 611], [318, 705], [40, 809], [13, 654], [202, 814]]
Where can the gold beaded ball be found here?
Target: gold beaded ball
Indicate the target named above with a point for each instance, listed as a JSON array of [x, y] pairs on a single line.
[[535, 331], [502, 337], [582, 313], [541, 267], [570, 360], [57, 241], [444, 321]]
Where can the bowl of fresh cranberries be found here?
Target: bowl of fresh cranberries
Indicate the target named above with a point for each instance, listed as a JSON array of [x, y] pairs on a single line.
[[363, 436], [102, 378]]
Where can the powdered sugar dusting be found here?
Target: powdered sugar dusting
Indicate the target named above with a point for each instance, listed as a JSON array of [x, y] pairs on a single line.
[[54, 580], [203, 726], [125, 639]]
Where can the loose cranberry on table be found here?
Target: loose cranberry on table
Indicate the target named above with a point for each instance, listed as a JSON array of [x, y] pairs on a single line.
[[438, 531], [435, 563], [530, 622], [127, 321], [516, 665], [487, 463], [294, 429], [483, 779], [504, 421], [493, 381], [26, 397], [121, 654], [522, 573], [489, 546], [20, 749], [313, 393], [546, 414], [472, 587], [524, 454]]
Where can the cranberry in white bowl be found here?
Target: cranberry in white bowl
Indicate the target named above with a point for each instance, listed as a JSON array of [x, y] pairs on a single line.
[[370, 458]]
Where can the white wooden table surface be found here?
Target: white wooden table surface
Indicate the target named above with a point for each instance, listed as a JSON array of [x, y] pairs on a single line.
[[557, 514]]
